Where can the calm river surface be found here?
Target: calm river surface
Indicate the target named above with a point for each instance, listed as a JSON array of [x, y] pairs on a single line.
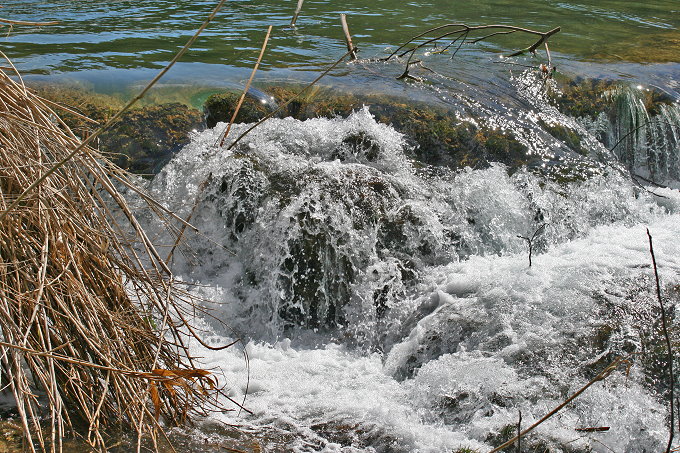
[[116, 43]]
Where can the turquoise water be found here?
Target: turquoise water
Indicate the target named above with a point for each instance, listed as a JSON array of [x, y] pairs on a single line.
[[117, 43]]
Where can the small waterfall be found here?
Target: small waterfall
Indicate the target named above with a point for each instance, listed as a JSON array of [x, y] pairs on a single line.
[[332, 224], [644, 133], [389, 302]]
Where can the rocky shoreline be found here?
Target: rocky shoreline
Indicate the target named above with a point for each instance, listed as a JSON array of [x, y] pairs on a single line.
[[148, 136]]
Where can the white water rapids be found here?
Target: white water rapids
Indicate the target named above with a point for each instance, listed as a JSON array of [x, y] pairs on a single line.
[[387, 306]]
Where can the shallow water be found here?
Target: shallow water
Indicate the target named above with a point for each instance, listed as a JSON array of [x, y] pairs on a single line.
[[111, 45]]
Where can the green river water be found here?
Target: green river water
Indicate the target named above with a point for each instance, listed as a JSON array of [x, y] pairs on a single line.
[[114, 45]]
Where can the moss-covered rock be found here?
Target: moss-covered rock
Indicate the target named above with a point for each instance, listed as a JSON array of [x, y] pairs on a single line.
[[585, 97], [220, 107], [568, 136], [636, 123], [95, 106], [582, 97], [143, 139], [437, 136]]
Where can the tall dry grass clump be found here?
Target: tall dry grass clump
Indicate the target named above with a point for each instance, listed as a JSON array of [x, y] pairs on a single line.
[[90, 318]]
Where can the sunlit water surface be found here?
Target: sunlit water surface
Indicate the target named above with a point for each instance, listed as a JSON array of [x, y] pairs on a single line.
[[114, 44]]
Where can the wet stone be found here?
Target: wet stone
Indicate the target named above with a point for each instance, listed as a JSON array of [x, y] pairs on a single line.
[[145, 139], [221, 107]]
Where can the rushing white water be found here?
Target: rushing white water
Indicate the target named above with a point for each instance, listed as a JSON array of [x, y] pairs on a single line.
[[388, 306]]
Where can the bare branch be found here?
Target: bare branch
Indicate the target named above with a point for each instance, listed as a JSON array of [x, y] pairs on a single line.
[[462, 31], [532, 48], [603, 375]]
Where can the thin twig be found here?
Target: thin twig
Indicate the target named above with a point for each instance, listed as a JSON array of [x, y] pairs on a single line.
[[669, 350], [519, 433], [247, 87], [530, 240], [603, 375], [677, 406]]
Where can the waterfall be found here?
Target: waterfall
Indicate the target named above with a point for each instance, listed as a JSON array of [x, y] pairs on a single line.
[[644, 133], [332, 224], [387, 303]]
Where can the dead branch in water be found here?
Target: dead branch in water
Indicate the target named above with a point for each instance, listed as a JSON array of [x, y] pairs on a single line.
[[28, 23], [348, 37], [297, 13], [460, 34], [530, 241]]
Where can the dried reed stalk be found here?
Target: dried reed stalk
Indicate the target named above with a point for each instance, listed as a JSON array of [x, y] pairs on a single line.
[[604, 374], [91, 322], [669, 348], [297, 13], [348, 37], [247, 87]]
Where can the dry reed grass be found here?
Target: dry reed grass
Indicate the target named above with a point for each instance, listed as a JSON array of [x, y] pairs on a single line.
[[92, 323]]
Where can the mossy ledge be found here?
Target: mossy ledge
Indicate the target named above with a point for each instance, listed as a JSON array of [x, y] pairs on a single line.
[[147, 137], [142, 141], [437, 136]]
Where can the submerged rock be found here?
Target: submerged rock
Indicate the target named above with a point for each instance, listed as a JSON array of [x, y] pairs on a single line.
[[220, 108], [142, 141], [146, 138]]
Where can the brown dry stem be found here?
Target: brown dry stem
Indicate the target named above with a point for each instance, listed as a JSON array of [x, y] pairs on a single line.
[[603, 375], [94, 328]]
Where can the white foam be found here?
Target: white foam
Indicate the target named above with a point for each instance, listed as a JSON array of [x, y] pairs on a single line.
[[474, 337]]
